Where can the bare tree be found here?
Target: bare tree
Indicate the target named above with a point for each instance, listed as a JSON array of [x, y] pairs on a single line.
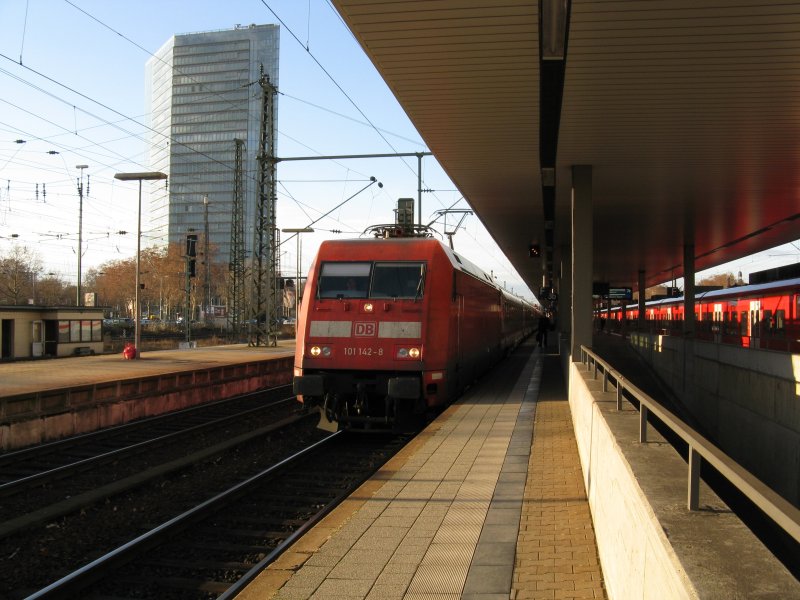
[[19, 269], [721, 279]]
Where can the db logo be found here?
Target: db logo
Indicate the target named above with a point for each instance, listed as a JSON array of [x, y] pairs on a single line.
[[365, 329]]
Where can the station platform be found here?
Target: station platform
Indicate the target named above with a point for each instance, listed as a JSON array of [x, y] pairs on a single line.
[[488, 502], [49, 399], [20, 377]]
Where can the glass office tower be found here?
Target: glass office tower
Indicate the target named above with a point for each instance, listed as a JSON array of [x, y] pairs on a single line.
[[203, 92]]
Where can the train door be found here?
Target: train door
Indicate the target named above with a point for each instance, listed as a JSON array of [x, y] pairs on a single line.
[[717, 326], [462, 375], [733, 327], [767, 325], [744, 327], [755, 323]]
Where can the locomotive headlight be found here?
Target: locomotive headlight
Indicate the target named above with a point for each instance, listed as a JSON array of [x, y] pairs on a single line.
[[326, 351], [408, 353], [368, 307], [315, 351], [323, 351]]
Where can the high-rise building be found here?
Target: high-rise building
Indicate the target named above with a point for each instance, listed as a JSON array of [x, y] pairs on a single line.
[[203, 93]]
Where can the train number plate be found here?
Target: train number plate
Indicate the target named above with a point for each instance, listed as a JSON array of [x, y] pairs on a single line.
[[354, 351]]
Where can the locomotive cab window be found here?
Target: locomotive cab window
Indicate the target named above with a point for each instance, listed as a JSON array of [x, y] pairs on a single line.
[[344, 280], [398, 280]]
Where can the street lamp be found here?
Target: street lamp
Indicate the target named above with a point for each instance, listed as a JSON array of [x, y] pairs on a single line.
[[80, 232], [297, 232], [147, 176], [207, 262]]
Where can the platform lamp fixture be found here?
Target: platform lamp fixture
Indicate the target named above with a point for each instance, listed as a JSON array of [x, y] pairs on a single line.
[[146, 176], [297, 233], [554, 16]]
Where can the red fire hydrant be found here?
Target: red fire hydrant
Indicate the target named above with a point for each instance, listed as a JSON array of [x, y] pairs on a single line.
[[129, 352]]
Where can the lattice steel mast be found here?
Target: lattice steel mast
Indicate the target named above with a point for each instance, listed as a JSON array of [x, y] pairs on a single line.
[[265, 306], [236, 268]]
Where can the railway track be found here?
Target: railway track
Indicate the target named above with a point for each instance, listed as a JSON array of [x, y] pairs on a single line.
[[33, 463], [218, 546], [47, 482], [58, 526]]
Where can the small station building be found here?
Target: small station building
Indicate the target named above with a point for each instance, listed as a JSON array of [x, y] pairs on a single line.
[[30, 331]]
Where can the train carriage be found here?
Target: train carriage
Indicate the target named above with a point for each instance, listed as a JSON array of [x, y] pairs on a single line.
[[762, 315], [390, 329]]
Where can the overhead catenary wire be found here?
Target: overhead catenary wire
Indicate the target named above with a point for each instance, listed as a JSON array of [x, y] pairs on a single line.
[[169, 138], [24, 30], [372, 182], [66, 131], [338, 86], [149, 53]]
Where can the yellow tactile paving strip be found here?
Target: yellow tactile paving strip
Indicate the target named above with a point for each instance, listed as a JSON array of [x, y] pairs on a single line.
[[556, 549]]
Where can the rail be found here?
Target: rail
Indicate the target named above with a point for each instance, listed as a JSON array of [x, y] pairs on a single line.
[[70, 585], [782, 512]]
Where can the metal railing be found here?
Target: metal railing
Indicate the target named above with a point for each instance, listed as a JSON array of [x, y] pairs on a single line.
[[782, 512]]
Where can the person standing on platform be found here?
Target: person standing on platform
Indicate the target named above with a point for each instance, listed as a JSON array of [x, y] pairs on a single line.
[[542, 329]]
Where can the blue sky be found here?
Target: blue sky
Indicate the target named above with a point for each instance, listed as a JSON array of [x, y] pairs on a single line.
[[79, 91]]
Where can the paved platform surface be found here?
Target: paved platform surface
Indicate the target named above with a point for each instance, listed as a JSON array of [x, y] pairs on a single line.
[[21, 377], [487, 503]]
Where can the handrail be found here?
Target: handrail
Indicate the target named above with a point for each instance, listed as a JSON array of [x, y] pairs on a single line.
[[782, 512]]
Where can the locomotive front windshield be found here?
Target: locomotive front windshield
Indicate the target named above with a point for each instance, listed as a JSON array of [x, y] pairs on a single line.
[[371, 280]]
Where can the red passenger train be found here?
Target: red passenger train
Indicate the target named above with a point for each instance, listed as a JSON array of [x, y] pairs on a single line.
[[765, 315], [392, 328]]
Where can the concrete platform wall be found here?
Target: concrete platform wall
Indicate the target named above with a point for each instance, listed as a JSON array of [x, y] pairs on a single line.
[[745, 399], [38, 417], [650, 544], [634, 551]]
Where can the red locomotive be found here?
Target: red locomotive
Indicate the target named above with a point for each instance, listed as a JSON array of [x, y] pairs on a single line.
[[761, 316], [393, 327]]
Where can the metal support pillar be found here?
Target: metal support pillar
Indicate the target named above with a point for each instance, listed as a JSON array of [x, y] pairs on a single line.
[[689, 320], [642, 290], [565, 296], [582, 275]]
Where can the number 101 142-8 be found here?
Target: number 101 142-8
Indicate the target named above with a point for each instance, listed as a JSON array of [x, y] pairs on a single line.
[[351, 351]]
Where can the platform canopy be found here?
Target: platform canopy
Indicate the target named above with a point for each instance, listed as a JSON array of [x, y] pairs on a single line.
[[688, 113]]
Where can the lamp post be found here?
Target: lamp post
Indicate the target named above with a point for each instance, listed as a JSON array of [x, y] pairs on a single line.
[[80, 233], [147, 176], [297, 232], [207, 263]]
